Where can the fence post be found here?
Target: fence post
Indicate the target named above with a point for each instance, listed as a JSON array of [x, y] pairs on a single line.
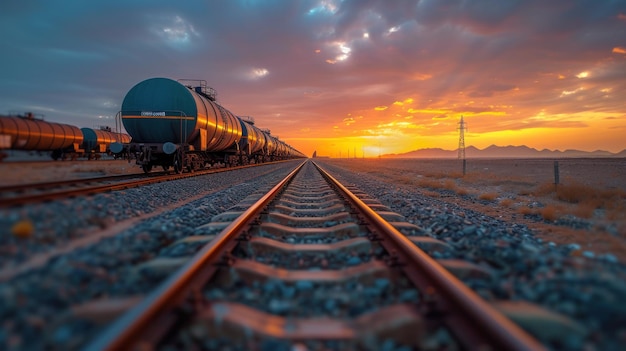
[[556, 175]]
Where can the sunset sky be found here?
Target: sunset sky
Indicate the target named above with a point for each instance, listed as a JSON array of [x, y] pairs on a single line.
[[375, 76]]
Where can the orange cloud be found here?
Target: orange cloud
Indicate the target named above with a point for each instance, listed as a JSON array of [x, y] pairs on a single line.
[[412, 110], [405, 101], [380, 108], [484, 113], [421, 76], [619, 50]]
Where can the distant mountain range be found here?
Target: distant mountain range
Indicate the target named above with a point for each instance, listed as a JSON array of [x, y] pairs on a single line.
[[510, 151]]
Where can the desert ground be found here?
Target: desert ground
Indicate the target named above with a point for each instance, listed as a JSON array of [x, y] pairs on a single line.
[[586, 208], [25, 172]]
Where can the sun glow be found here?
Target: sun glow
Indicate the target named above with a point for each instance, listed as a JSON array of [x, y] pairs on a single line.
[[582, 75]]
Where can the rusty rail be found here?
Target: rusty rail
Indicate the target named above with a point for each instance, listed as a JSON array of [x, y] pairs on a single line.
[[137, 180], [123, 334], [480, 324]]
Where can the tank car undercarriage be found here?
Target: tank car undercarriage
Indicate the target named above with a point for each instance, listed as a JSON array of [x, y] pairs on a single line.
[[184, 158]]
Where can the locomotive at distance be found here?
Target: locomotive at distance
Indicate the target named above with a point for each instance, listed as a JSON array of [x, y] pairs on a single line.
[[25, 132], [183, 127]]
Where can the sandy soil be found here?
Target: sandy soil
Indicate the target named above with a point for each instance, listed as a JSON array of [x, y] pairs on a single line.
[[504, 189], [593, 190], [25, 172]]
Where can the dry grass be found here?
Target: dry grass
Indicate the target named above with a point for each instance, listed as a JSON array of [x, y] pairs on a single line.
[[586, 198], [447, 184], [507, 202], [442, 175], [617, 213], [485, 177], [525, 210], [570, 197], [589, 189], [488, 196], [544, 189], [462, 191], [549, 213], [584, 210], [431, 193], [408, 180], [428, 183]]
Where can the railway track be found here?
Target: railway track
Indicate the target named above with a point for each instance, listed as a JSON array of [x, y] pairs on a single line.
[[310, 265], [21, 194]]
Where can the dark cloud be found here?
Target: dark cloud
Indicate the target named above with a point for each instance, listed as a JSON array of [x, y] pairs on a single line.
[[315, 62]]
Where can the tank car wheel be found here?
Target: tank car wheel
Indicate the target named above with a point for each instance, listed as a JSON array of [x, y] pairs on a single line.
[[178, 168], [178, 162], [146, 168], [56, 155]]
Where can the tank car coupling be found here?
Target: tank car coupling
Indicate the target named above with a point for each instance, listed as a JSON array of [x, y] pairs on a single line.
[[116, 147], [169, 148]]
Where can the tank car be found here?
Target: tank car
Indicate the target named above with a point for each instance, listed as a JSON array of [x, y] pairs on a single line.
[[26, 132], [97, 141], [29, 133], [173, 124]]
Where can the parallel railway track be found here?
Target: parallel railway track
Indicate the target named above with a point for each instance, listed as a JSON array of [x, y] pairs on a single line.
[[22, 194], [311, 265]]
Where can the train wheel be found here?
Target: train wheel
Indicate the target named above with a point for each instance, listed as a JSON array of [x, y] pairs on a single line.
[[56, 155], [166, 167], [178, 162], [146, 168]]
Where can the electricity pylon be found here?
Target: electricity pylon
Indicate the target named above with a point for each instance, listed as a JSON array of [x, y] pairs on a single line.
[[462, 128]]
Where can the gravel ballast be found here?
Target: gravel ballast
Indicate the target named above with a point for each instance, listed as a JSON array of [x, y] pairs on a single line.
[[36, 306], [587, 290]]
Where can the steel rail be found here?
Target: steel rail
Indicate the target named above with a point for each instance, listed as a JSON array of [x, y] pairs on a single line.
[[493, 327], [142, 179], [124, 332], [68, 193], [44, 185]]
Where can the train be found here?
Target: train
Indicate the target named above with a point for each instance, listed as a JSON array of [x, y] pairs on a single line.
[[179, 124], [28, 132]]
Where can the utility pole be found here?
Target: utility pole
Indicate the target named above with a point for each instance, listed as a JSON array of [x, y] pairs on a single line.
[[462, 128]]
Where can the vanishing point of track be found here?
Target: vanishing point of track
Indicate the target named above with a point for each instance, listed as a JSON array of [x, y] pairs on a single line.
[[311, 221]]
